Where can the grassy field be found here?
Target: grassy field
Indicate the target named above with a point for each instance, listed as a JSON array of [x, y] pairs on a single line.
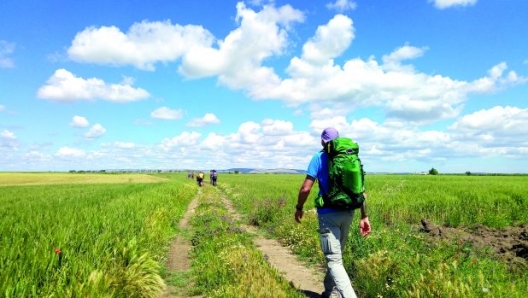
[[18, 179], [397, 259], [86, 238], [107, 235]]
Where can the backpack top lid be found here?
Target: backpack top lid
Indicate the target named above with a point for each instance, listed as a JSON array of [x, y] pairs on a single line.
[[341, 145]]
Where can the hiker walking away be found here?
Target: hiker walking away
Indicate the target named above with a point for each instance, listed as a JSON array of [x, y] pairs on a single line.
[[199, 178], [334, 221], [214, 176]]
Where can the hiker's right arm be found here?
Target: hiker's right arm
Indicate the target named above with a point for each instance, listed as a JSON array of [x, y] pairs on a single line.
[[304, 192]]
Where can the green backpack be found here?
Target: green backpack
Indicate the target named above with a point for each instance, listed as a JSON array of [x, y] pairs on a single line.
[[346, 175]]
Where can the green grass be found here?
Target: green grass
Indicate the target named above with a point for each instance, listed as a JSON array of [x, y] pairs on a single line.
[[18, 179], [225, 261], [397, 260], [113, 234], [112, 238]]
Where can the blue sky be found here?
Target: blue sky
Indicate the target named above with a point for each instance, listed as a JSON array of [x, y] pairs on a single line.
[[203, 84]]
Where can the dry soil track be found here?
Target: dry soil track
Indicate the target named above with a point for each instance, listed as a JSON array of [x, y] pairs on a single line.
[[307, 280]]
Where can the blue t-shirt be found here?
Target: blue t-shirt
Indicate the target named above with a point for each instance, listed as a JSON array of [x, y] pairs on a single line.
[[318, 169]]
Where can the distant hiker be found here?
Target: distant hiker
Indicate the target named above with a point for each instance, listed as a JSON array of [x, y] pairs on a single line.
[[213, 175], [335, 218], [199, 178]]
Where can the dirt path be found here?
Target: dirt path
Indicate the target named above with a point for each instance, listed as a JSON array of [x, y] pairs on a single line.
[[307, 280], [178, 259]]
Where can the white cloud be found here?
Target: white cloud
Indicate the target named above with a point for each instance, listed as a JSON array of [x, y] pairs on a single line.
[[2, 108], [238, 59], [124, 145], [342, 5], [144, 44], [8, 139], [207, 119], [507, 120], [63, 86], [166, 114], [406, 52], [329, 41], [66, 152], [6, 49], [400, 90], [214, 142], [185, 139], [79, 121], [314, 78], [272, 127], [442, 4], [95, 131], [497, 79], [35, 156]]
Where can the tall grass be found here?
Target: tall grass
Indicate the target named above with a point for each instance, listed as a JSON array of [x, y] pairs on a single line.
[[225, 261], [110, 240], [397, 260], [87, 240]]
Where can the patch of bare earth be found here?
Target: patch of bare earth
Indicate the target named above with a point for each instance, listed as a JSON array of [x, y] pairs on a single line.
[[178, 258], [510, 244]]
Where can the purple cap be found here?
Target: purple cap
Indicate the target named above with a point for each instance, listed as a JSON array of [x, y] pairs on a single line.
[[329, 134]]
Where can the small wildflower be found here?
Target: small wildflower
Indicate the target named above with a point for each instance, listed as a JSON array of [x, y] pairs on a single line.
[[58, 252]]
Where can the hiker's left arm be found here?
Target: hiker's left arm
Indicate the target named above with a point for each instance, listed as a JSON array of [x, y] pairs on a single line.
[[364, 223]]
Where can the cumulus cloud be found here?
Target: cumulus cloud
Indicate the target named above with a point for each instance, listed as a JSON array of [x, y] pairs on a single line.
[[79, 121], [329, 41], [207, 119], [238, 58], [145, 44], [6, 49], [184, 140], [443, 4], [63, 86], [342, 5], [313, 78], [398, 88], [124, 145], [406, 52], [166, 114], [95, 131], [8, 139], [67, 152], [497, 120]]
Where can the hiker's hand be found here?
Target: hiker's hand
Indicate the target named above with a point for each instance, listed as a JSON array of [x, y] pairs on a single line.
[[298, 215], [364, 226]]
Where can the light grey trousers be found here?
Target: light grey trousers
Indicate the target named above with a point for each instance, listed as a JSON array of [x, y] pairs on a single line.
[[333, 231]]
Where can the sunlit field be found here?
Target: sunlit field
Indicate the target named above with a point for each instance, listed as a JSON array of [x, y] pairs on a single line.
[[86, 238], [107, 235], [69, 178], [398, 259]]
